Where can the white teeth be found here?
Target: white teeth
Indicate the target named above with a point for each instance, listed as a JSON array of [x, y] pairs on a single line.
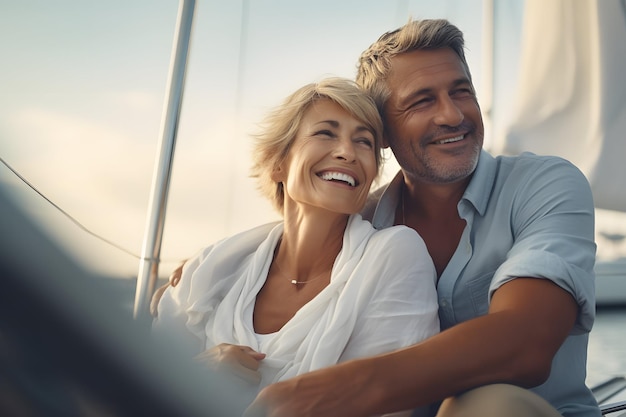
[[339, 176], [450, 140]]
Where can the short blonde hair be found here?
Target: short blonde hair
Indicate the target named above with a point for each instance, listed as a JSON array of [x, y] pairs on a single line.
[[280, 127]]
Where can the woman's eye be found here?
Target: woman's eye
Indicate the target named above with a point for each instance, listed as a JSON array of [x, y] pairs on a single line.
[[324, 133], [365, 141]]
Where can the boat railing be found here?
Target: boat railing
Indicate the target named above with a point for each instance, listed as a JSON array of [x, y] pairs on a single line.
[[607, 390]]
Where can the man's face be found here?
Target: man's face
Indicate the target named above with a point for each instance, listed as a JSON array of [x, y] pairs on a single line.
[[432, 119]]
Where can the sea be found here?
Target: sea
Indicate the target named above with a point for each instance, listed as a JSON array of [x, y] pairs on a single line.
[[606, 355]]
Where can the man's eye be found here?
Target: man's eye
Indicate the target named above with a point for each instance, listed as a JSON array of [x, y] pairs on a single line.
[[422, 102], [463, 92]]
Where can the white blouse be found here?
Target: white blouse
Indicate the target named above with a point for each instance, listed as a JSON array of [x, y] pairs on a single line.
[[381, 297]]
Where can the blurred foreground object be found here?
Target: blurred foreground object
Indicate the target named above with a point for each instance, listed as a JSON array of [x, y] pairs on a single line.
[[67, 347]]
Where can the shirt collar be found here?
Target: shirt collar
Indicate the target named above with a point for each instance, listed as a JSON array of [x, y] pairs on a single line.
[[477, 192], [384, 202]]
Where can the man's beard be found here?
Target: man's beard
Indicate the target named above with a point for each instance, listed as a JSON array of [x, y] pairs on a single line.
[[438, 173], [424, 167]]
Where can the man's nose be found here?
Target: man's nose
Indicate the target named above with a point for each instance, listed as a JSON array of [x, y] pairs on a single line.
[[448, 113]]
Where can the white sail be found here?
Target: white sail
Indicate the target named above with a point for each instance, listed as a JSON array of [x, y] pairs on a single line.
[[571, 91]]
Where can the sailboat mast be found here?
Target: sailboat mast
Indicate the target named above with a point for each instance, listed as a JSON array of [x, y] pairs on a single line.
[[151, 248]]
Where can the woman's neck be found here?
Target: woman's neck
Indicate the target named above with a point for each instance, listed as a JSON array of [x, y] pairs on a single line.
[[304, 257], [310, 243]]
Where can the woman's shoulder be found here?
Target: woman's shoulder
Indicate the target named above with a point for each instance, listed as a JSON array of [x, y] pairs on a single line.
[[397, 257], [399, 235], [399, 246]]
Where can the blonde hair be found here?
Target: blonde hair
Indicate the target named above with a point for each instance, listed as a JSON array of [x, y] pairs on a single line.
[[280, 127], [375, 62]]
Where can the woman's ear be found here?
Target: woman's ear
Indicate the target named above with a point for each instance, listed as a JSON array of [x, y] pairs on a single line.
[[278, 174], [384, 144]]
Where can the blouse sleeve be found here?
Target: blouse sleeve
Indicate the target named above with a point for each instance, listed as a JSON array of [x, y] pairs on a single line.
[[397, 302]]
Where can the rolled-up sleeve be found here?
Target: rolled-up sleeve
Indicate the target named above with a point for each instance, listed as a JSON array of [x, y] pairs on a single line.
[[552, 222]]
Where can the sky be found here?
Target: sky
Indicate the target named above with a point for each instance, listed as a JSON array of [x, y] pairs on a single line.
[[82, 96]]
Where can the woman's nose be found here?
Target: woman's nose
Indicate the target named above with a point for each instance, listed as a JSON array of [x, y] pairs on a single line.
[[345, 150]]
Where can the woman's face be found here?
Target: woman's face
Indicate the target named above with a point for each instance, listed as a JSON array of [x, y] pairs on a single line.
[[332, 162]]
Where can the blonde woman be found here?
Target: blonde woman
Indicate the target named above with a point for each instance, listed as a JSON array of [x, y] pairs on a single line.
[[321, 286]]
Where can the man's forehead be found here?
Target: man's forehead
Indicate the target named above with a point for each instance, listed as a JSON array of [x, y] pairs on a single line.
[[422, 63], [424, 70]]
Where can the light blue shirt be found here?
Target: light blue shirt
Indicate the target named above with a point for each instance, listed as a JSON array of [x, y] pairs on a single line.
[[527, 216]]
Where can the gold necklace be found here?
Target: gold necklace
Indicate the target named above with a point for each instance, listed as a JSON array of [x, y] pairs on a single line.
[[296, 282]]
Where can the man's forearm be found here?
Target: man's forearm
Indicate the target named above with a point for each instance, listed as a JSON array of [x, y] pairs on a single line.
[[404, 379], [514, 343], [448, 363]]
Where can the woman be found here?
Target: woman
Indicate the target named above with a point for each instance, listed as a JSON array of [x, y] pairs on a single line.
[[321, 286]]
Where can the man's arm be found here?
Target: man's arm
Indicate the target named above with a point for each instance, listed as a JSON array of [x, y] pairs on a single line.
[[515, 342]]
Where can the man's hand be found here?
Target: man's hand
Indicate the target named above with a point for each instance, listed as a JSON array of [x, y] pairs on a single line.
[[173, 280], [337, 391], [241, 361]]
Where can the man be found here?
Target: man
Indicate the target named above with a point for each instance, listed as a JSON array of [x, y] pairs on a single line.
[[512, 242]]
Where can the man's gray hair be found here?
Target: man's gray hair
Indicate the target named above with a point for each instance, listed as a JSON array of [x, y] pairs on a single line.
[[375, 62]]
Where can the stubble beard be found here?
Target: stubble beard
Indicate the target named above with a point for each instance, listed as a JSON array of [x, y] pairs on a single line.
[[432, 170]]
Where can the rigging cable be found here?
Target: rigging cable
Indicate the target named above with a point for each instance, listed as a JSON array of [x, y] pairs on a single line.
[[70, 217]]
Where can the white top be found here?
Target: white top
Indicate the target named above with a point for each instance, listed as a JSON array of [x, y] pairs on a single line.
[[381, 297], [264, 338]]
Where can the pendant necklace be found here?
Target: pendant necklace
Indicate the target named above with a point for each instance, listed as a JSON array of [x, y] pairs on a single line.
[[295, 281]]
